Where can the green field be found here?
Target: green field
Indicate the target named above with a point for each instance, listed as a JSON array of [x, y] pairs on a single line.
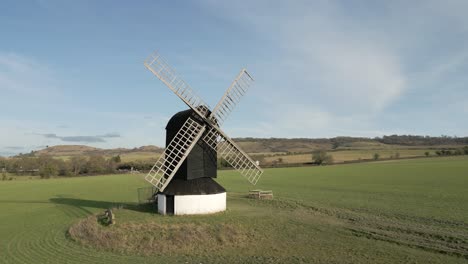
[[411, 211]]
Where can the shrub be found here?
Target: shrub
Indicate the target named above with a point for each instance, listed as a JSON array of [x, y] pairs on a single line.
[[222, 163], [376, 156], [116, 159], [77, 165], [427, 153], [48, 170], [96, 164], [447, 152], [320, 157], [458, 152], [47, 167]]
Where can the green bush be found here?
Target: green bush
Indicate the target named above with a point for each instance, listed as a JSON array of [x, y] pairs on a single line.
[[48, 170], [320, 157], [116, 159], [376, 156], [222, 163], [458, 152]]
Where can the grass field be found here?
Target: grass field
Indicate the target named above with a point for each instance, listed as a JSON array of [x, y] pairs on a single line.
[[411, 211]]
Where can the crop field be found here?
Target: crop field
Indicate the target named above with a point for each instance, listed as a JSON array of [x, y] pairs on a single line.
[[340, 156], [126, 157], [140, 156], [411, 211]]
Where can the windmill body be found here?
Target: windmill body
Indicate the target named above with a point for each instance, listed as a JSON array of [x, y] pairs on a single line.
[[183, 175], [201, 161], [192, 190]]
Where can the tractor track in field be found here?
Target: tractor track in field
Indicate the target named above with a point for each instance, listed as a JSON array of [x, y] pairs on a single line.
[[48, 243], [52, 247], [434, 235]]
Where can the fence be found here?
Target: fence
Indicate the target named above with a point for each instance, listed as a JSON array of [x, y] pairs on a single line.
[[146, 195]]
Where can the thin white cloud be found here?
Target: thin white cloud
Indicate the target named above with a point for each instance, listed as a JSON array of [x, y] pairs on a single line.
[[133, 130], [335, 57], [329, 74], [26, 79], [322, 69], [18, 133], [80, 138], [355, 66]]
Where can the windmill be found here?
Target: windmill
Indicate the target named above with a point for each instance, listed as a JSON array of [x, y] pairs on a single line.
[[183, 175]]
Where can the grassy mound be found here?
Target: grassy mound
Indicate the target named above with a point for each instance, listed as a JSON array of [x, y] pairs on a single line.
[[149, 238]]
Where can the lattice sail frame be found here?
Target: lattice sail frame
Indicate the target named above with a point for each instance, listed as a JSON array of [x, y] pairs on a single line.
[[160, 175], [231, 97], [175, 153], [159, 67], [233, 154]]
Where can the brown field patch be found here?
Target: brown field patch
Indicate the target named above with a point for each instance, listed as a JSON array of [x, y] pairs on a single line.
[[151, 238]]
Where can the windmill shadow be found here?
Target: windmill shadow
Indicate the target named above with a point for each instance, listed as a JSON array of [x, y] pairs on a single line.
[[82, 204]]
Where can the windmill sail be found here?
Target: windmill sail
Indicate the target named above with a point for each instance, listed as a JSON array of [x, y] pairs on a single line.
[[166, 167], [233, 154], [232, 97], [159, 67], [174, 154]]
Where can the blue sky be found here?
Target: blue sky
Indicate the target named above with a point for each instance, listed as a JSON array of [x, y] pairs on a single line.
[[71, 72]]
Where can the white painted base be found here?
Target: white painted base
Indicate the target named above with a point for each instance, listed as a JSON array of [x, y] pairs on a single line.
[[194, 204], [162, 203]]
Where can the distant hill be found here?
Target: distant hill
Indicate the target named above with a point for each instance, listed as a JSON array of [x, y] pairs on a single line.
[[80, 150], [67, 150], [268, 145], [273, 145], [265, 145]]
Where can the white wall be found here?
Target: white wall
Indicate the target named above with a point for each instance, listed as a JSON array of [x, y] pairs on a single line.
[[162, 203], [199, 204]]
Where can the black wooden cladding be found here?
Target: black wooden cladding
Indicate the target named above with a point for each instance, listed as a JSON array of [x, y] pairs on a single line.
[[193, 187], [170, 204], [202, 160]]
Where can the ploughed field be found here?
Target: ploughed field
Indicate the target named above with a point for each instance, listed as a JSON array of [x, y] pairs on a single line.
[[412, 211]]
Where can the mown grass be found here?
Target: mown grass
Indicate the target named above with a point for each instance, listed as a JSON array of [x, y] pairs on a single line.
[[383, 212]]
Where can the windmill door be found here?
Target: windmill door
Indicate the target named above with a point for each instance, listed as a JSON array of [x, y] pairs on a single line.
[[170, 204]]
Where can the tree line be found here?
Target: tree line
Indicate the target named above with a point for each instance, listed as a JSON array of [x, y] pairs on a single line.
[[455, 152], [406, 140], [46, 166]]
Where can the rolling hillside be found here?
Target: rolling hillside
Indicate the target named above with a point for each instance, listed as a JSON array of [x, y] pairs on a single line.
[[284, 145], [81, 150], [281, 146]]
